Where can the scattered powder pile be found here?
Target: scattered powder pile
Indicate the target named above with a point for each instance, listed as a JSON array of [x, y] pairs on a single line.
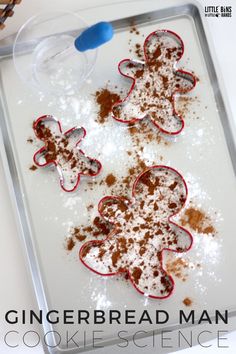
[[178, 267], [136, 49], [99, 230], [70, 244], [198, 221], [110, 180], [134, 29], [187, 302], [120, 184], [128, 180], [105, 100], [141, 231], [183, 105], [33, 168], [145, 132]]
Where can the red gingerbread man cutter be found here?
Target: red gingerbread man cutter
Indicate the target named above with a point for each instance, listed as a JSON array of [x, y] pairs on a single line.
[[142, 230], [62, 150], [155, 84]]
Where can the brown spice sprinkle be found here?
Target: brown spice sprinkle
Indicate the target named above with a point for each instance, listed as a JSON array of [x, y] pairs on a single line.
[[197, 220], [133, 29], [187, 302], [140, 133], [137, 272], [178, 267], [138, 50], [123, 185], [30, 140], [105, 100], [70, 244], [33, 168], [144, 132], [99, 229], [110, 180], [184, 104], [90, 207]]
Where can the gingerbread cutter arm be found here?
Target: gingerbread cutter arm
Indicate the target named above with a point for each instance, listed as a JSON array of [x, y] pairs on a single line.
[[75, 135], [179, 123], [103, 208], [99, 267], [38, 157]]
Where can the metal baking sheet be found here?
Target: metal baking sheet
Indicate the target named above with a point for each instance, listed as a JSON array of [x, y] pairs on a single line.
[[204, 153]]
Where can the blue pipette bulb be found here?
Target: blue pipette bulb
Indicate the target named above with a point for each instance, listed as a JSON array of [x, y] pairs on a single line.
[[94, 36]]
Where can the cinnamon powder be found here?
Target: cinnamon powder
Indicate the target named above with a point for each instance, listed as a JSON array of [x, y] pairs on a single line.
[[197, 220], [99, 229], [70, 244], [33, 168], [105, 100], [184, 104], [144, 132], [110, 180], [137, 272], [178, 267], [134, 29], [187, 302], [138, 51], [102, 226]]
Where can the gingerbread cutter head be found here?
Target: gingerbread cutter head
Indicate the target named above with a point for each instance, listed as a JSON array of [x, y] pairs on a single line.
[[62, 150], [155, 84], [142, 230]]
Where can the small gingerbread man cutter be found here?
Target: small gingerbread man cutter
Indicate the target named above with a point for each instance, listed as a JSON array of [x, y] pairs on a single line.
[[155, 84], [61, 150], [142, 230]]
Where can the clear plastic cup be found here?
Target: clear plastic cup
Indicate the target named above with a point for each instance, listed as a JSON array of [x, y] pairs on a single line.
[[45, 57]]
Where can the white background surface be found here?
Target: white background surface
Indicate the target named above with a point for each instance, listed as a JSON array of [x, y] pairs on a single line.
[[16, 290]]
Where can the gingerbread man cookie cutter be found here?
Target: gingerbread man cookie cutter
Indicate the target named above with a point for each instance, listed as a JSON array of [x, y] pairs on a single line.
[[155, 84], [61, 150], [142, 231]]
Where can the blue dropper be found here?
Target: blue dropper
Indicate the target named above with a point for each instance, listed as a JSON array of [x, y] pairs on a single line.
[[94, 36], [91, 38]]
